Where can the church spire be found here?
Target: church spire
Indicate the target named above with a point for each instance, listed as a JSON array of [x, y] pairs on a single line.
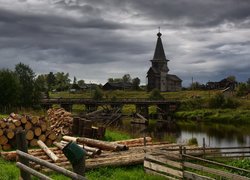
[[159, 51]]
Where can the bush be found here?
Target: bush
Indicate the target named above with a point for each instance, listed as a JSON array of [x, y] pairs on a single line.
[[219, 101], [155, 94], [192, 141], [98, 94], [192, 104]]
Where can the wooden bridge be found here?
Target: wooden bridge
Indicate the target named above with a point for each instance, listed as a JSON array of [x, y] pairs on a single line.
[[163, 106]]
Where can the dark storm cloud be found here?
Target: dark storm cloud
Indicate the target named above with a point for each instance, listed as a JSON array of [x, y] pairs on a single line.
[[112, 37]]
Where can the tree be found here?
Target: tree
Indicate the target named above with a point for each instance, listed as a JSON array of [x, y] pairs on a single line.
[[136, 82], [9, 90], [98, 94], [231, 78], [51, 80], [62, 81], [126, 78], [155, 94], [26, 78], [81, 83], [41, 83], [75, 85]]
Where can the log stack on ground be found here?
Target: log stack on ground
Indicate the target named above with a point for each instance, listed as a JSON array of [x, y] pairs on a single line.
[[61, 121], [37, 128], [135, 155]]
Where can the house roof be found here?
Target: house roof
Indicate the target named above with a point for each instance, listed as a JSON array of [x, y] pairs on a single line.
[[119, 84]]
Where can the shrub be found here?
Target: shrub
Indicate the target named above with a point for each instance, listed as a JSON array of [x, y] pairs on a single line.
[[192, 141], [98, 94], [155, 94], [217, 101]]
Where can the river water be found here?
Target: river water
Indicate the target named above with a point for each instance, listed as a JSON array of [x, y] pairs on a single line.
[[216, 135]]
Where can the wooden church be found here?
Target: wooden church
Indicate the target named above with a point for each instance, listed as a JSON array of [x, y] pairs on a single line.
[[158, 77]]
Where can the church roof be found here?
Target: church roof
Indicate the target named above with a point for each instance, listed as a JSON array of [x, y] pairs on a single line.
[[159, 50], [173, 77]]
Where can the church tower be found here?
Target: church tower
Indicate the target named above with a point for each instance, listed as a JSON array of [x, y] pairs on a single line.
[[157, 74]]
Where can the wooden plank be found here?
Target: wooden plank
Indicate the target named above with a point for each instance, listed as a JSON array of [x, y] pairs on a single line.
[[149, 171], [32, 171], [214, 171], [194, 176], [164, 160], [161, 168], [170, 155], [217, 163]]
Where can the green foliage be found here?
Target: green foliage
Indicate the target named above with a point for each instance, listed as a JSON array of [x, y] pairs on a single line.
[[241, 163], [192, 141], [9, 90], [62, 81], [191, 104], [242, 89], [219, 101], [136, 83], [26, 78], [9, 171], [121, 173], [51, 80], [155, 94], [97, 94], [115, 135]]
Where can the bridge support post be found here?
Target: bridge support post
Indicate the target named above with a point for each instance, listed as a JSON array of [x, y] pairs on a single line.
[[90, 107], [67, 107], [143, 110]]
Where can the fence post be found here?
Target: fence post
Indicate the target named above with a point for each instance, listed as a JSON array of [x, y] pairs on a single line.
[[22, 146], [204, 147]]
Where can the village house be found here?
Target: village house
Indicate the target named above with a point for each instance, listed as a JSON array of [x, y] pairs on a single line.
[[158, 77]]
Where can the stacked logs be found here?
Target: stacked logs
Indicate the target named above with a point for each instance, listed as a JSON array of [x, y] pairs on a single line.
[[60, 120], [36, 129]]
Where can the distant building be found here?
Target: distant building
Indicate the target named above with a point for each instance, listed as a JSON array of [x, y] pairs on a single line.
[[117, 86], [157, 74]]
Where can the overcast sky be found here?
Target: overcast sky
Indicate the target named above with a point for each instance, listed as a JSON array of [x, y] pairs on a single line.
[[98, 39]]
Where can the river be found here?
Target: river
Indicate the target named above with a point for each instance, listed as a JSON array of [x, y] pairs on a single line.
[[216, 135]]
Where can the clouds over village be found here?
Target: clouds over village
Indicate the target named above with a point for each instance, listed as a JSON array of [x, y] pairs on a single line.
[[94, 40]]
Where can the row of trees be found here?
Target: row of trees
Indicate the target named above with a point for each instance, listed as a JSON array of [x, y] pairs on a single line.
[[18, 88], [127, 79]]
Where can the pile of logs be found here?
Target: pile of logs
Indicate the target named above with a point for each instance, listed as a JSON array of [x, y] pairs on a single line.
[[60, 120], [36, 129], [133, 155]]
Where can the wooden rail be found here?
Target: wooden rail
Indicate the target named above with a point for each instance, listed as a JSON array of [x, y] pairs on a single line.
[[48, 165], [177, 163], [105, 101]]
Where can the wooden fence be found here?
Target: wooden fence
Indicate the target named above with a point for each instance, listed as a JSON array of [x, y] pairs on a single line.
[[184, 164]]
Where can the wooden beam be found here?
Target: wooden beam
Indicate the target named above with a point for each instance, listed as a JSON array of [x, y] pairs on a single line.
[[163, 160], [51, 166], [32, 171], [164, 169], [192, 175], [214, 171]]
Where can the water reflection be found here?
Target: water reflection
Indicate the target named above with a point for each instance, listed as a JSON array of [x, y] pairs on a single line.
[[216, 135]]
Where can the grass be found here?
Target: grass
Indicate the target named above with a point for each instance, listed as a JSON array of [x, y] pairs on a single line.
[[228, 116], [111, 135]]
